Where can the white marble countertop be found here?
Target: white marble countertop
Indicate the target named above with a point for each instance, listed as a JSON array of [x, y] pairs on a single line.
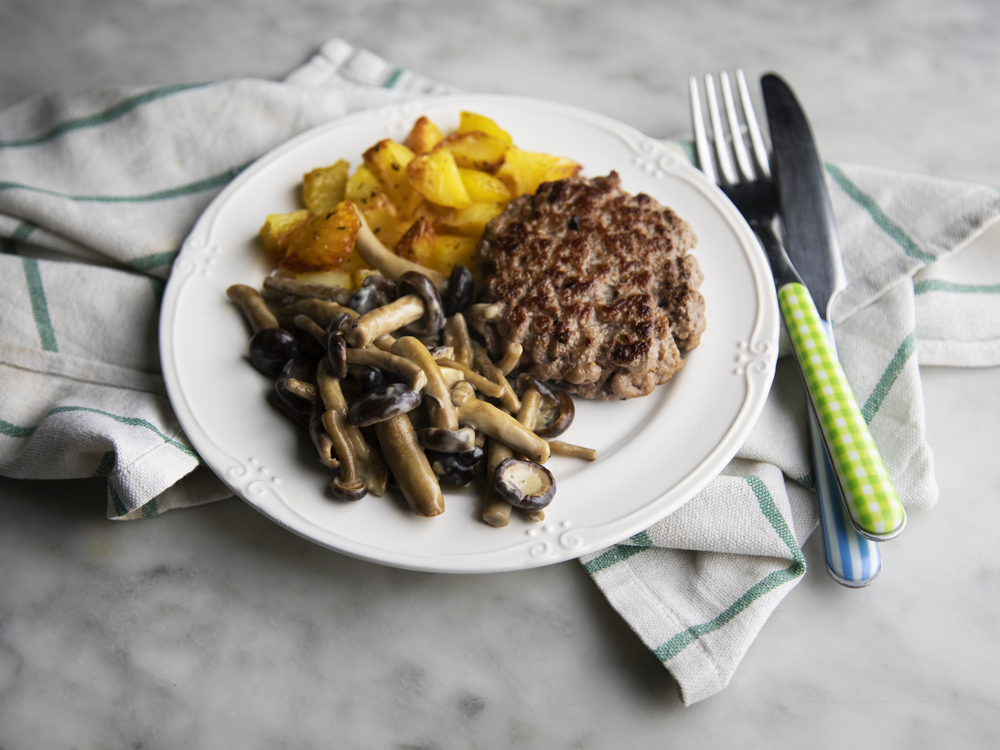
[[212, 627]]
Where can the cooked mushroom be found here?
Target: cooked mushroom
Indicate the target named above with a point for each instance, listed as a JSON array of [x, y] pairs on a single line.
[[405, 310], [253, 306], [368, 376], [461, 287], [456, 335], [301, 389], [555, 417], [371, 466], [481, 383], [510, 358], [450, 469], [347, 485], [320, 310], [447, 441], [524, 484], [366, 299], [320, 437], [336, 355], [496, 510], [299, 368], [384, 284], [559, 448], [486, 418], [287, 285], [310, 326], [384, 402], [386, 262], [408, 371], [432, 321], [481, 361], [461, 392], [410, 466], [270, 348]]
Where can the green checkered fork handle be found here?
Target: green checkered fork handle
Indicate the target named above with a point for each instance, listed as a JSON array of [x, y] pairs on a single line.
[[871, 500]]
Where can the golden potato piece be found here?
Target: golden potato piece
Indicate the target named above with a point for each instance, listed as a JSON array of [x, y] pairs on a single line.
[[384, 220], [278, 230], [361, 187], [469, 221], [524, 171], [475, 150], [484, 187], [451, 249], [348, 275], [417, 244], [436, 177], [387, 160], [323, 188], [469, 121], [424, 136], [322, 242]]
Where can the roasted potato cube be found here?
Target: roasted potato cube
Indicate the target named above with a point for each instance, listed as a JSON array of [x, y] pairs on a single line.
[[451, 249], [278, 230], [348, 275], [469, 221], [470, 121], [483, 187], [323, 188], [322, 242], [418, 243], [475, 150], [384, 219], [362, 186], [387, 160], [424, 136], [524, 171], [436, 177]]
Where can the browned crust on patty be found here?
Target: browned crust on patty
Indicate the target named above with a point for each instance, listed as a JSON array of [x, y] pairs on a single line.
[[596, 285]]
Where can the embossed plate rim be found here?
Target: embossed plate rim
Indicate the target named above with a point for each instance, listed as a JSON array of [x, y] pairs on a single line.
[[276, 477]]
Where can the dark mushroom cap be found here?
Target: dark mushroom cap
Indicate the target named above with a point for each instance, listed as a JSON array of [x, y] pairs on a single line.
[[300, 368], [379, 404], [551, 423], [461, 287], [383, 283], [432, 321], [366, 299], [447, 441], [449, 469], [270, 348], [339, 323], [524, 484], [370, 377], [336, 355], [349, 492]]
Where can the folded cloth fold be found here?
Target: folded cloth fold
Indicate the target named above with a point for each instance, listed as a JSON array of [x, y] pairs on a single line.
[[99, 190]]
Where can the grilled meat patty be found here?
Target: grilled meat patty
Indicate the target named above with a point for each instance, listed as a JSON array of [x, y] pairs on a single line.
[[597, 285]]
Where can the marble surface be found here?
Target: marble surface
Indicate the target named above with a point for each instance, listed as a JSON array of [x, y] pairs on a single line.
[[212, 627]]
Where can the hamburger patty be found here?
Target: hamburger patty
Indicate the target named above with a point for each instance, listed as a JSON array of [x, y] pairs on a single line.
[[595, 284]]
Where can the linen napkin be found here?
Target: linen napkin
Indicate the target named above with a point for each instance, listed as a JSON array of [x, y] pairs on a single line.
[[98, 191]]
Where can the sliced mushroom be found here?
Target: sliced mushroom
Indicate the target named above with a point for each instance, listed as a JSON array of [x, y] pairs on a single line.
[[347, 485], [524, 484], [382, 403], [367, 328], [386, 262], [410, 466]]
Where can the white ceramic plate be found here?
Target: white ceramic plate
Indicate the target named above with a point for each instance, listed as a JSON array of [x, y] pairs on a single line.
[[654, 453]]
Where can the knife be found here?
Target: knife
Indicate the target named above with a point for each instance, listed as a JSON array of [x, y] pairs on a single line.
[[871, 502]]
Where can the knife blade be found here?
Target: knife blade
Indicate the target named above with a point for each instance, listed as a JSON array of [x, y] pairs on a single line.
[[811, 244]]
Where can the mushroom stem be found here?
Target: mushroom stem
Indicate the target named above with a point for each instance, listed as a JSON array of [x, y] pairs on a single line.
[[288, 285], [486, 418], [384, 342], [437, 394], [320, 310], [462, 391], [482, 362], [484, 386], [385, 319], [301, 389], [559, 448], [410, 466], [372, 356], [370, 463], [311, 327], [510, 359], [496, 510], [343, 448], [456, 335], [253, 306], [386, 262], [531, 401]]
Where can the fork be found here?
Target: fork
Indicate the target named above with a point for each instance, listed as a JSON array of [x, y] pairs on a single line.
[[851, 559]]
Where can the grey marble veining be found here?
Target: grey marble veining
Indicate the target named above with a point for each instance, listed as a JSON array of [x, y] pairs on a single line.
[[212, 627]]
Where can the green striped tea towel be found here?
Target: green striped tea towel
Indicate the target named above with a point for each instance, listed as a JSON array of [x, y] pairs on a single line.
[[98, 190]]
